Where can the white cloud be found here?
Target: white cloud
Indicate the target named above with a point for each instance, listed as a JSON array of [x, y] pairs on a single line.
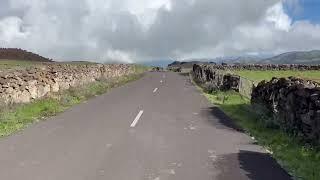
[[116, 55], [10, 29], [135, 30], [276, 15]]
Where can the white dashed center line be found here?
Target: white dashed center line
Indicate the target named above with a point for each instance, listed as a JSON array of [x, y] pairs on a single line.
[[135, 121], [155, 90]]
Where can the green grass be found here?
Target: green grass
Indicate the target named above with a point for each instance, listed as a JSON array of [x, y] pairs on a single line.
[[17, 117], [20, 117], [300, 160], [258, 76], [14, 64]]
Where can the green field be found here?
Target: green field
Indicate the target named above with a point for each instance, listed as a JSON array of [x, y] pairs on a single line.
[[15, 64], [258, 76]]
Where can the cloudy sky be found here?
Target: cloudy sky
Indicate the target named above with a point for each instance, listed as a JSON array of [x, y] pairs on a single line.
[[144, 30]]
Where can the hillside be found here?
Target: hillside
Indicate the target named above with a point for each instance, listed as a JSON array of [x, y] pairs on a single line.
[[19, 54], [296, 57]]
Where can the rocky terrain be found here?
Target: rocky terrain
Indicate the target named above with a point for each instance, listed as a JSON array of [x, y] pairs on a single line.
[[238, 66], [22, 86], [19, 54]]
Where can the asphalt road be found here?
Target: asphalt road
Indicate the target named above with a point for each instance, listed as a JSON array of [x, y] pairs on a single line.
[[157, 128]]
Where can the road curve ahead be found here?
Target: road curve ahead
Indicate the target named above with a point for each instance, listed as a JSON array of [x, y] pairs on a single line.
[[157, 128]]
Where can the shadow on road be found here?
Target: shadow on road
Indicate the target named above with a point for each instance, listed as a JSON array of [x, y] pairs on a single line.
[[250, 165], [245, 164], [219, 119]]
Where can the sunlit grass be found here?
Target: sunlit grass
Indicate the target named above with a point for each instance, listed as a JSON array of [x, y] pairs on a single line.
[[14, 64], [258, 76], [17, 117]]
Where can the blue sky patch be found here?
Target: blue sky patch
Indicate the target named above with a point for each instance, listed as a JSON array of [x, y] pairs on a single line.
[[306, 10]]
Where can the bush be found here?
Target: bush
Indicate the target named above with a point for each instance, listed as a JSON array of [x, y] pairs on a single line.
[[210, 88]]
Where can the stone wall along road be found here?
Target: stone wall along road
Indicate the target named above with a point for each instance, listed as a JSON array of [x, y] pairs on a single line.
[[294, 103], [22, 86]]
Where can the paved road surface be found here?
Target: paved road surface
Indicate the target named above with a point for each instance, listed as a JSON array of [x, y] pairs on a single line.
[[157, 128]]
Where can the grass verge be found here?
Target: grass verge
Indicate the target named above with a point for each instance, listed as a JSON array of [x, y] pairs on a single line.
[[300, 160], [15, 118]]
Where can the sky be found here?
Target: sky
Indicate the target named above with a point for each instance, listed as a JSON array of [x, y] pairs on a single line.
[[304, 10], [133, 31]]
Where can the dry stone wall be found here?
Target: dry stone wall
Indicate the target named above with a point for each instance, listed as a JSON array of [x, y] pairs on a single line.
[[215, 78], [295, 104], [22, 86]]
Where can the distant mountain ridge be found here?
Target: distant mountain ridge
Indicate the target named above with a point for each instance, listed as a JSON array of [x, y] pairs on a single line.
[[295, 57], [20, 54]]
